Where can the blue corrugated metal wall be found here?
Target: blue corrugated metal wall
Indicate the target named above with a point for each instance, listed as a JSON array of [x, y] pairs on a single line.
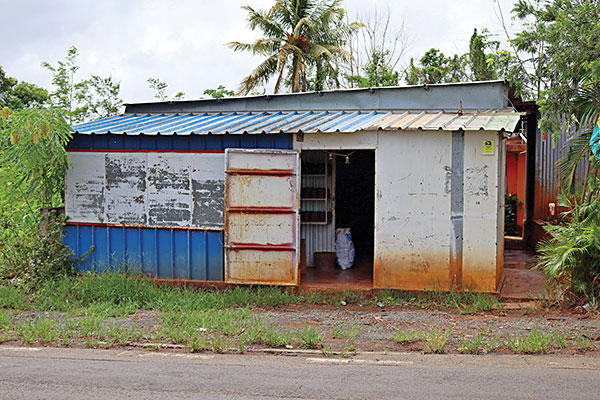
[[166, 253], [160, 252]]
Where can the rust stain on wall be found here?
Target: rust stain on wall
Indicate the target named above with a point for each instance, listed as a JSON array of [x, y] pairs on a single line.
[[411, 270]]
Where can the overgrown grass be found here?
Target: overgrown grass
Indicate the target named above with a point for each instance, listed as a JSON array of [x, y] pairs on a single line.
[[536, 341], [348, 332], [99, 310], [466, 301], [436, 340], [120, 291], [309, 337], [582, 342], [472, 345], [407, 336], [12, 297], [120, 294]]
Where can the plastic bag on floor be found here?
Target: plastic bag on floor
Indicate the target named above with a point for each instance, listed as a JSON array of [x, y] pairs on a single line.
[[344, 248]]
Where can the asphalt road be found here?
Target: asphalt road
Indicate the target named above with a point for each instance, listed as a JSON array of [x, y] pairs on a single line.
[[43, 373]]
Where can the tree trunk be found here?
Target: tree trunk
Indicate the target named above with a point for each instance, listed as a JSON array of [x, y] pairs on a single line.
[[295, 74]]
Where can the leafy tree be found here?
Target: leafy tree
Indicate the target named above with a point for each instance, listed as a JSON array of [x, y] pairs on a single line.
[[558, 66], [33, 159], [376, 73], [102, 97], [435, 67], [298, 35], [558, 55], [484, 61], [17, 95], [33, 163], [559, 49], [94, 97], [68, 95], [160, 89], [219, 92], [484, 66]]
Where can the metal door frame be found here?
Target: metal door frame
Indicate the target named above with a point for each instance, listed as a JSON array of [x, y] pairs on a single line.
[[263, 210]]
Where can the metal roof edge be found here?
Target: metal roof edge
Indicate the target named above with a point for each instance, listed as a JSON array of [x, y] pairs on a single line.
[[290, 122], [344, 99], [319, 93]]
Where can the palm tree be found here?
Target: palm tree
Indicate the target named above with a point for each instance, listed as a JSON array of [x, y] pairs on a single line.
[[298, 35]]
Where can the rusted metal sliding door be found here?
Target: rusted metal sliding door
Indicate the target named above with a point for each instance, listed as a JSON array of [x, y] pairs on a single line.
[[262, 216]]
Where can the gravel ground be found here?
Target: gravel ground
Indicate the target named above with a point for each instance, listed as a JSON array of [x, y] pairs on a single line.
[[378, 326]]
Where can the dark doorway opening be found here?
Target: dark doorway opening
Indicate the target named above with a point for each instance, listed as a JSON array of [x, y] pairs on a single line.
[[355, 199], [352, 200]]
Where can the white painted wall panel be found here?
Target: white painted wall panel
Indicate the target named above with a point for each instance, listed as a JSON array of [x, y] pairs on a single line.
[[480, 212], [156, 189], [412, 210], [84, 187]]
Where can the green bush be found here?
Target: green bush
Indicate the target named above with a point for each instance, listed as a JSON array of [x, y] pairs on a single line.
[[511, 206], [572, 256], [33, 163], [28, 254]]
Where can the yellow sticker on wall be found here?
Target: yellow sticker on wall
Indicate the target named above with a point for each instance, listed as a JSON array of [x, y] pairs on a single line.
[[488, 147]]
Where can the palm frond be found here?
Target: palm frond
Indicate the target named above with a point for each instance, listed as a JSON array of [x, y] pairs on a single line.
[[265, 46], [259, 75], [263, 21], [239, 46], [307, 30], [317, 51], [578, 147], [300, 24]]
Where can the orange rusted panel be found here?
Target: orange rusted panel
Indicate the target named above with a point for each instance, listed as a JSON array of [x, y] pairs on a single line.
[[411, 272], [428, 274]]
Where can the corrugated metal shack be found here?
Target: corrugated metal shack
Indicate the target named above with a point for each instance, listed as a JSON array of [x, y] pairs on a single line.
[[227, 189]]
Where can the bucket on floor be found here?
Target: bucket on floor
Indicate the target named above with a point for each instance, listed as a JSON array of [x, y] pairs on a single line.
[[324, 260]]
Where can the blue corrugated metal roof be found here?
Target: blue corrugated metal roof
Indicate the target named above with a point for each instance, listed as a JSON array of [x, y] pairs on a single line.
[[292, 122]]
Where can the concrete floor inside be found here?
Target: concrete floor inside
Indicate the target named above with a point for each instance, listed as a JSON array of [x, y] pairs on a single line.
[[359, 277], [520, 281]]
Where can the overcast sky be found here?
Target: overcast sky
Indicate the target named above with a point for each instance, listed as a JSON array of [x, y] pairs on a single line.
[[182, 42]]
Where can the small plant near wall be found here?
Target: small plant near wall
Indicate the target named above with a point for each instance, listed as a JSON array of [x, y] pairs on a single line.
[[512, 206], [572, 256]]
